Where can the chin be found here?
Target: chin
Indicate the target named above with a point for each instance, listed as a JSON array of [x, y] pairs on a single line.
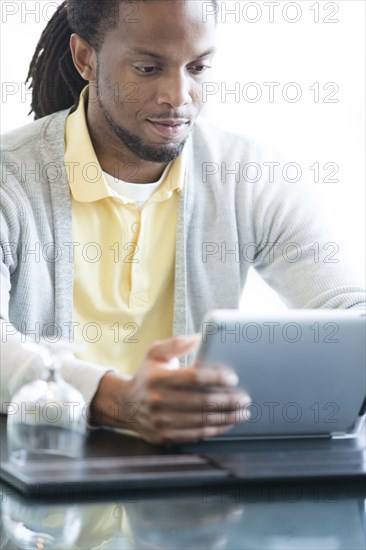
[[151, 152]]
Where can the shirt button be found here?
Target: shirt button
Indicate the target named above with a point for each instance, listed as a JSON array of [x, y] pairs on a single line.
[[135, 227]]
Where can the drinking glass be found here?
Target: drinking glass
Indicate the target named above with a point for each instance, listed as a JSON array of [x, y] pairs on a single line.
[[46, 417]]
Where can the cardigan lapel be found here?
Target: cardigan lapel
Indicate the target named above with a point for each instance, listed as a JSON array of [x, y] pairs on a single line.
[[180, 292], [52, 148], [183, 322]]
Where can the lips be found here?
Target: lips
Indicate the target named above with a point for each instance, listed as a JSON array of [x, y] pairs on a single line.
[[170, 128]]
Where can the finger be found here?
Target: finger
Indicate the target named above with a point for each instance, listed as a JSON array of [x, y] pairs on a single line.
[[165, 420], [194, 401], [192, 377], [171, 437], [165, 350]]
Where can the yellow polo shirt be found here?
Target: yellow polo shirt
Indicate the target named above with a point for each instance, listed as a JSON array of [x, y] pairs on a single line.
[[124, 257]]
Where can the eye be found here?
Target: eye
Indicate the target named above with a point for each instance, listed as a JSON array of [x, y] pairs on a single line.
[[147, 69], [198, 69]]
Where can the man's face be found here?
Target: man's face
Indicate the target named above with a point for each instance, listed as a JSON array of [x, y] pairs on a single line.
[[150, 73]]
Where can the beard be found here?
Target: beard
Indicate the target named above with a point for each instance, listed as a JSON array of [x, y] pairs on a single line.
[[142, 149]]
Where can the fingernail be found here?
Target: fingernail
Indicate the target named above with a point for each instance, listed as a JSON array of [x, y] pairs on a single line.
[[231, 379]]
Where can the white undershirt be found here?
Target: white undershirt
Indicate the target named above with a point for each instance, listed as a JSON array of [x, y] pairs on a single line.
[[137, 192]]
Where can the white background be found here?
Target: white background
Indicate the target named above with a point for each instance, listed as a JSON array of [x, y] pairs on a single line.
[[272, 49]]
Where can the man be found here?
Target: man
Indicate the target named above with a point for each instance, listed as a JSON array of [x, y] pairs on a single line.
[[112, 220]]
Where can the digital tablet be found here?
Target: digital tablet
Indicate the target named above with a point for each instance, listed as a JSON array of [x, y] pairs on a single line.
[[303, 369]]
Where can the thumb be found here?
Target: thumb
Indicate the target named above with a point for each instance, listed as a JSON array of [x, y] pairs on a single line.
[[166, 350]]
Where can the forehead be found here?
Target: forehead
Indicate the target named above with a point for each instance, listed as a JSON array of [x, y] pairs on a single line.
[[162, 25]]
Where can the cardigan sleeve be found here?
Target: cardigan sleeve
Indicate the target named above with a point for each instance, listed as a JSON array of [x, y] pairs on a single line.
[[27, 281], [18, 365], [300, 250]]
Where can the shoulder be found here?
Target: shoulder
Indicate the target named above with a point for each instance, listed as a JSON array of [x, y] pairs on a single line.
[[220, 144], [28, 136]]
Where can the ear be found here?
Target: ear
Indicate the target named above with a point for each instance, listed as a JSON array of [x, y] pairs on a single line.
[[84, 57]]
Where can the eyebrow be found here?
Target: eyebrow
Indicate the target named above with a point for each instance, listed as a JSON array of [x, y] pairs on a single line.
[[138, 51]]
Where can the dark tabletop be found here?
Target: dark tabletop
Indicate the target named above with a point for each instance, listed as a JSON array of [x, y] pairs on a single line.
[[323, 511]]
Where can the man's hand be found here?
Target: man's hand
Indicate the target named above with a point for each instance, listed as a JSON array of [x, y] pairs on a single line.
[[166, 405]]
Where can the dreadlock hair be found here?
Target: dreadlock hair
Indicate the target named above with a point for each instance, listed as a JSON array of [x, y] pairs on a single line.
[[55, 82]]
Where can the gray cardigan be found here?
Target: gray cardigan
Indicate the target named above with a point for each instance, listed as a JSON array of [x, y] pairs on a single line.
[[232, 215]]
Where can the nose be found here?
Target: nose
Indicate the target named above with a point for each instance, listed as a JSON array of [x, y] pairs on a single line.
[[175, 90]]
